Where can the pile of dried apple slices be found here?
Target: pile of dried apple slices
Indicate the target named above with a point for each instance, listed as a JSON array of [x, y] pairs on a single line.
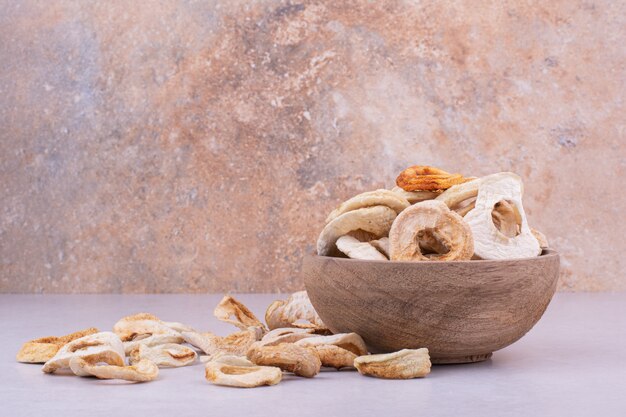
[[293, 339], [432, 215]]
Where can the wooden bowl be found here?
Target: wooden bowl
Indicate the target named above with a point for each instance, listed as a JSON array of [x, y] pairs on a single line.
[[461, 311]]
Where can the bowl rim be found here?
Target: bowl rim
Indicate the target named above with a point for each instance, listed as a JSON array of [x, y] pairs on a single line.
[[547, 253]]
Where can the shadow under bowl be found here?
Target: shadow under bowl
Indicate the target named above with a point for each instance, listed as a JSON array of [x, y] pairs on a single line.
[[462, 311]]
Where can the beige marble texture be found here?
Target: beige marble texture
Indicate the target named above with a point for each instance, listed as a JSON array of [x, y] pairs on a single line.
[[194, 146]]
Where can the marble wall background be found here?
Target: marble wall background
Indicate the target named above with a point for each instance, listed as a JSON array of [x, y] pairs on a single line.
[[193, 146]]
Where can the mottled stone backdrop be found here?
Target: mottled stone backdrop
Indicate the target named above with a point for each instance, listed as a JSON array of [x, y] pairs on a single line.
[[192, 146]]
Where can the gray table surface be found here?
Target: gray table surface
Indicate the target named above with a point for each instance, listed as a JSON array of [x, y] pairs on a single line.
[[573, 363]]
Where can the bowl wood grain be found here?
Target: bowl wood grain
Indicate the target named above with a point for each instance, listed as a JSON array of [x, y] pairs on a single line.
[[461, 311]]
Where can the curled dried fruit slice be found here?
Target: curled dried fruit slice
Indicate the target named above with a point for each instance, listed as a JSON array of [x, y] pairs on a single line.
[[236, 343], [456, 194], [228, 359], [207, 342], [285, 335], [430, 231], [349, 341], [404, 364], [375, 220], [142, 371], [243, 317], [37, 351], [242, 376], [154, 340], [498, 221], [141, 325], [333, 356], [43, 349], [178, 327], [300, 360], [103, 347], [380, 197], [425, 178], [167, 355], [291, 313], [462, 197], [415, 196], [355, 249]]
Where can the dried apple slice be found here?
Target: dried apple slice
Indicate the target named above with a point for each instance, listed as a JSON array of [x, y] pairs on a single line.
[[233, 311], [355, 249], [292, 312], [105, 347], [336, 357], [456, 194], [376, 220], [349, 341], [154, 340], [404, 364], [43, 349], [300, 360], [429, 231], [380, 197], [426, 178], [499, 204], [241, 376], [141, 325], [236, 343], [167, 355], [142, 371], [285, 335]]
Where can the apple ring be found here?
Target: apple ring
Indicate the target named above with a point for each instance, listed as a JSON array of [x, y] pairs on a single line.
[[376, 220], [425, 178], [430, 231], [380, 197], [498, 221]]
